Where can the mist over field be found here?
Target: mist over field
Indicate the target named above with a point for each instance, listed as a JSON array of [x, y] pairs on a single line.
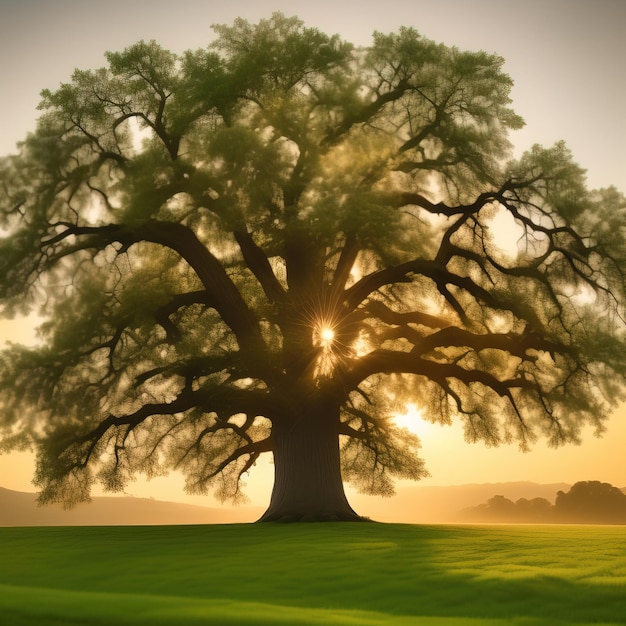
[[491, 502]]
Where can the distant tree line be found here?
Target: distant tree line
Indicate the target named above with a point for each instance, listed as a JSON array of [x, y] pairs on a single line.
[[587, 502]]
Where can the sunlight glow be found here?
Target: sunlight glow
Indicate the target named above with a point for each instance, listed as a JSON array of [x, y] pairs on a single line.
[[410, 419], [326, 337], [507, 233], [413, 421]]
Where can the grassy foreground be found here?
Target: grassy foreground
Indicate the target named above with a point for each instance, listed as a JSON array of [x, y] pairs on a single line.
[[310, 574]]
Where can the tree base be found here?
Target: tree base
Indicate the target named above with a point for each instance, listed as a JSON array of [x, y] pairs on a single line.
[[291, 518]]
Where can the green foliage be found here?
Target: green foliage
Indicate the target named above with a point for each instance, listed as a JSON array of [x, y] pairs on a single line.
[[187, 226], [277, 53], [456, 109], [371, 465]]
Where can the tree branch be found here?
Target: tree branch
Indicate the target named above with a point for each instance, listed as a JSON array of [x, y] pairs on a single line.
[[162, 314], [220, 289], [366, 113], [379, 310], [514, 344], [345, 263], [437, 272], [259, 265], [393, 362]]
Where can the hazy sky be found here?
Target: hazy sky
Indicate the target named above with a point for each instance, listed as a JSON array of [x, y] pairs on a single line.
[[567, 60]]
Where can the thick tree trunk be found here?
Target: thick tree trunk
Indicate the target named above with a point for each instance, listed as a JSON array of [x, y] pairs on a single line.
[[307, 473]]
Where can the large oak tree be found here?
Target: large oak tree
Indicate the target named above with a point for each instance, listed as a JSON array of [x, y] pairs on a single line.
[[272, 244]]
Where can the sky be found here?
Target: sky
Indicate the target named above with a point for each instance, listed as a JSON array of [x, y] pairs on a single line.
[[566, 58]]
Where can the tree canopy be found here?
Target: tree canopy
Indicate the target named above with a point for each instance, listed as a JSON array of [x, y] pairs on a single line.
[[281, 239]]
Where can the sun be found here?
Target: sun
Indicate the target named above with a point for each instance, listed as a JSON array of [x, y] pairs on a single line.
[[326, 358], [327, 335], [412, 420]]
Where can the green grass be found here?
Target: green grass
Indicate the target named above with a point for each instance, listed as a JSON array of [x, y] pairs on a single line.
[[333, 574]]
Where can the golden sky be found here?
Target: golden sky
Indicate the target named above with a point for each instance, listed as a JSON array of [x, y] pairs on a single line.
[[565, 56]]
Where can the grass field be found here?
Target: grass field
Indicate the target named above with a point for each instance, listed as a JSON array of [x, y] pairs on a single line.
[[310, 574]]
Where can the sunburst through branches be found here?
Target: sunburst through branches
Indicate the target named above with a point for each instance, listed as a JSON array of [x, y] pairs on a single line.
[[324, 339], [333, 335]]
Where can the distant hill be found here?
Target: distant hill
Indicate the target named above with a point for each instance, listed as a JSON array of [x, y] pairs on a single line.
[[21, 509]]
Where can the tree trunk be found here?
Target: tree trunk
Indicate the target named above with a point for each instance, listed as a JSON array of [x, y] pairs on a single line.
[[307, 474]]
